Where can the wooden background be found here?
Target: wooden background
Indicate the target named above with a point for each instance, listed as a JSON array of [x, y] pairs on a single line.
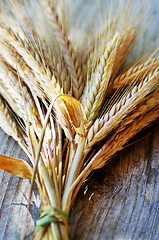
[[119, 202]]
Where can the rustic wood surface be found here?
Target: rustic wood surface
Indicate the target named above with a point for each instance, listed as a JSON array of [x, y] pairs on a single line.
[[118, 202]]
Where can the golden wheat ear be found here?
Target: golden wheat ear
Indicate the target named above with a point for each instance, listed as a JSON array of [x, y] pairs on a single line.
[[135, 72], [21, 59], [106, 69], [114, 116], [69, 54], [12, 125]]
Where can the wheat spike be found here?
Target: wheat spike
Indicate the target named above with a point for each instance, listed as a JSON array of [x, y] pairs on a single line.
[[63, 74], [38, 47], [91, 55], [92, 49], [135, 72], [55, 63], [7, 122], [11, 88], [113, 56], [124, 135], [98, 83], [12, 58], [43, 76], [121, 109], [74, 67], [111, 147]]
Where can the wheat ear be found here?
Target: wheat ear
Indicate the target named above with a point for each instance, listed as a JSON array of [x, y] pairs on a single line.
[[63, 74], [43, 75], [55, 63], [121, 109], [124, 135], [28, 115], [114, 54], [13, 59], [135, 72], [10, 126], [10, 85], [39, 48], [70, 57], [90, 55]]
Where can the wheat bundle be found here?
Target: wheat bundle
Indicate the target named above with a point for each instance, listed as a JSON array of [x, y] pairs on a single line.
[[53, 97]]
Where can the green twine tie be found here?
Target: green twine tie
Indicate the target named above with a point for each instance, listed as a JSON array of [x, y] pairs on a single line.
[[52, 215]]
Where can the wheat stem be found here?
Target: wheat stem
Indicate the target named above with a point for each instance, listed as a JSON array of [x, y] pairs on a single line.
[[73, 172]]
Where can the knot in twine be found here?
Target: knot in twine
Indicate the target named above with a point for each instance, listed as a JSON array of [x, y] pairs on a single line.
[[52, 215]]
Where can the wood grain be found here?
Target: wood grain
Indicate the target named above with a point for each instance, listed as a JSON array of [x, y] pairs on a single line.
[[14, 193]]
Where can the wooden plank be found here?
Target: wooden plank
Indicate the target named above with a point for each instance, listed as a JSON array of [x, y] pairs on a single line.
[[14, 193]]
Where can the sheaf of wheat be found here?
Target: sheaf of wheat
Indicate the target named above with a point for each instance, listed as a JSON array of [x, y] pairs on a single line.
[[68, 104]]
